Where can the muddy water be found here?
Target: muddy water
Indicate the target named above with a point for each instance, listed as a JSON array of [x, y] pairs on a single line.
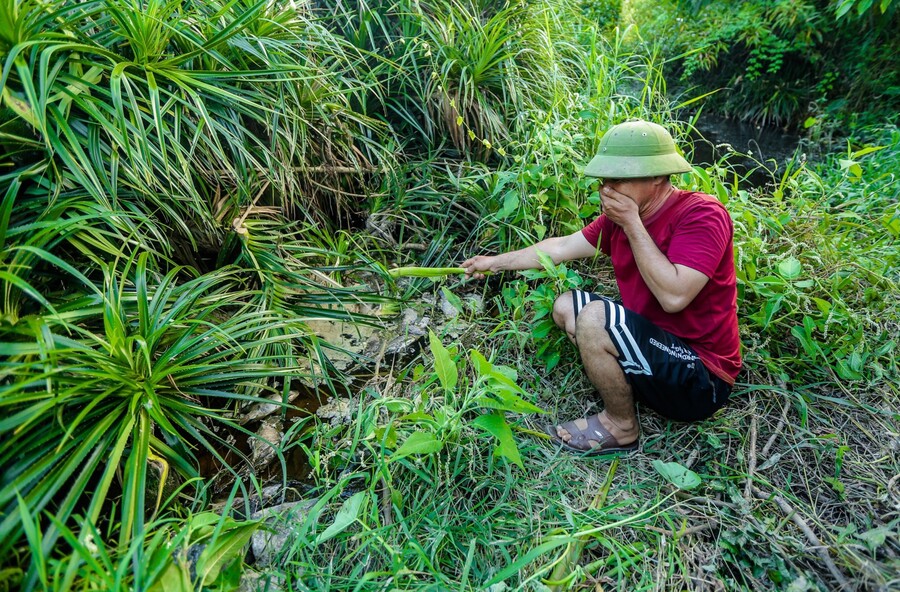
[[238, 453], [762, 152]]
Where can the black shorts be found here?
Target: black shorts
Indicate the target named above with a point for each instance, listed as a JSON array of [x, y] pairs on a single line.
[[664, 372]]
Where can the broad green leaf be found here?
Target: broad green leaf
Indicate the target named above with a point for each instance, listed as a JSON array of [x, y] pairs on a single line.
[[511, 203], [823, 305], [444, 365], [480, 364], [892, 223], [175, 578], [676, 474], [542, 329], [204, 523], [346, 516], [496, 425], [398, 405], [501, 372], [846, 164], [228, 547], [805, 340], [852, 167], [552, 360], [876, 537], [387, 435], [418, 443], [867, 150], [770, 308], [507, 401], [846, 372], [417, 417], [502, 375], [886, 348], [546, 261], [453, 299], [790, 268]]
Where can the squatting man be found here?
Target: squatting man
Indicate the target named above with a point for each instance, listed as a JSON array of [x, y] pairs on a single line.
[[672, 343]]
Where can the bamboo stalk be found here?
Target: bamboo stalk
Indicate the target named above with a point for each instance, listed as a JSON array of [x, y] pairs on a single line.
[[424, 271], [569, 560]]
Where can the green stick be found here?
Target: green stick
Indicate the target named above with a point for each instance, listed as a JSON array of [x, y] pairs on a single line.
[[424, 271]]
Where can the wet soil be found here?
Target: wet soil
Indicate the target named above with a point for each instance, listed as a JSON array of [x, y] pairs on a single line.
[[236, 447], [759, 154]]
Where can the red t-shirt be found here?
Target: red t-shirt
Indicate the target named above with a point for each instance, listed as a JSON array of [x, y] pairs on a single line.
[[694, 230]]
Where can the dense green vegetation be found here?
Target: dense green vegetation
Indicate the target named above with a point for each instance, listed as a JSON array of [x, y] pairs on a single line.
[[187, 189], [824, 64]]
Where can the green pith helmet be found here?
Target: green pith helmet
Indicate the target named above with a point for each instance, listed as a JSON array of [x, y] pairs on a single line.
[[636, 149]]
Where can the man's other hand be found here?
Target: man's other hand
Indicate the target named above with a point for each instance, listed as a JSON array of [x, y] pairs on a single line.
[[618, 207]]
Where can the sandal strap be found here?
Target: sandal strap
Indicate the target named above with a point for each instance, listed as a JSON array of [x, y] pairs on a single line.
[[586, 431]]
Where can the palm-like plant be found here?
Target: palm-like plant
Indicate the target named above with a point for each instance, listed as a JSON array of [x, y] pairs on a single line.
[[474, 62], [182, 112], [132, 372]]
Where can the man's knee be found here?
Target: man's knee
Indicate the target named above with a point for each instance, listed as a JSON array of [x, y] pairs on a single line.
[[564, 310], [591, 321]]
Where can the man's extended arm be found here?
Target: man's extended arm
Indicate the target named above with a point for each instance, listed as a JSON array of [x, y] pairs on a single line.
[[559, 248], [674, 285]]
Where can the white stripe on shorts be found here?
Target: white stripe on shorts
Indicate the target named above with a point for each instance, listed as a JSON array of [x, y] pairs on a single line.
[[633, 360], [580, 300]]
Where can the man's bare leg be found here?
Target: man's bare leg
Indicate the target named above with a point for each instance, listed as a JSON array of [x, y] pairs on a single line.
[[564, 315], [600, 358]]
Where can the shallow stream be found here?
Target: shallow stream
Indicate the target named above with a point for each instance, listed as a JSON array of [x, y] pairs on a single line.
[[761, 152]]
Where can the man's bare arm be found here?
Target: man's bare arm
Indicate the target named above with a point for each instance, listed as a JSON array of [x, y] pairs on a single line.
[[674, 285], [559, 248]]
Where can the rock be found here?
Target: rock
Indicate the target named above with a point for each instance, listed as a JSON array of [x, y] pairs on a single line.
[[260, 410], [355, 344], [408, 316], [262, 447], [402, 341], [402, 347], [281, 522], [256, 411], [270, 495], [448, 308], [475, 303], [336, 411], [349, 340]]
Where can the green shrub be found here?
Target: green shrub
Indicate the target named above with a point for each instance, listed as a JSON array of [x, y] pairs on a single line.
[[780, 62]]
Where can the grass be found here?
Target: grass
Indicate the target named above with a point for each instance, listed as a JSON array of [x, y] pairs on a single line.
[[784, 471], [797, 474], [187, 186], [461, 519]]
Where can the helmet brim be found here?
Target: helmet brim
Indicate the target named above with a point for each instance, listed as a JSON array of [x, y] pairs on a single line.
[[636, 167]]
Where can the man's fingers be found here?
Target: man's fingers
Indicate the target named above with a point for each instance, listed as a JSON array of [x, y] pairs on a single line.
[[615, 195]]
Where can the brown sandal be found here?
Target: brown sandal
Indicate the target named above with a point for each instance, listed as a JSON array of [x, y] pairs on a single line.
[[589, 437]]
